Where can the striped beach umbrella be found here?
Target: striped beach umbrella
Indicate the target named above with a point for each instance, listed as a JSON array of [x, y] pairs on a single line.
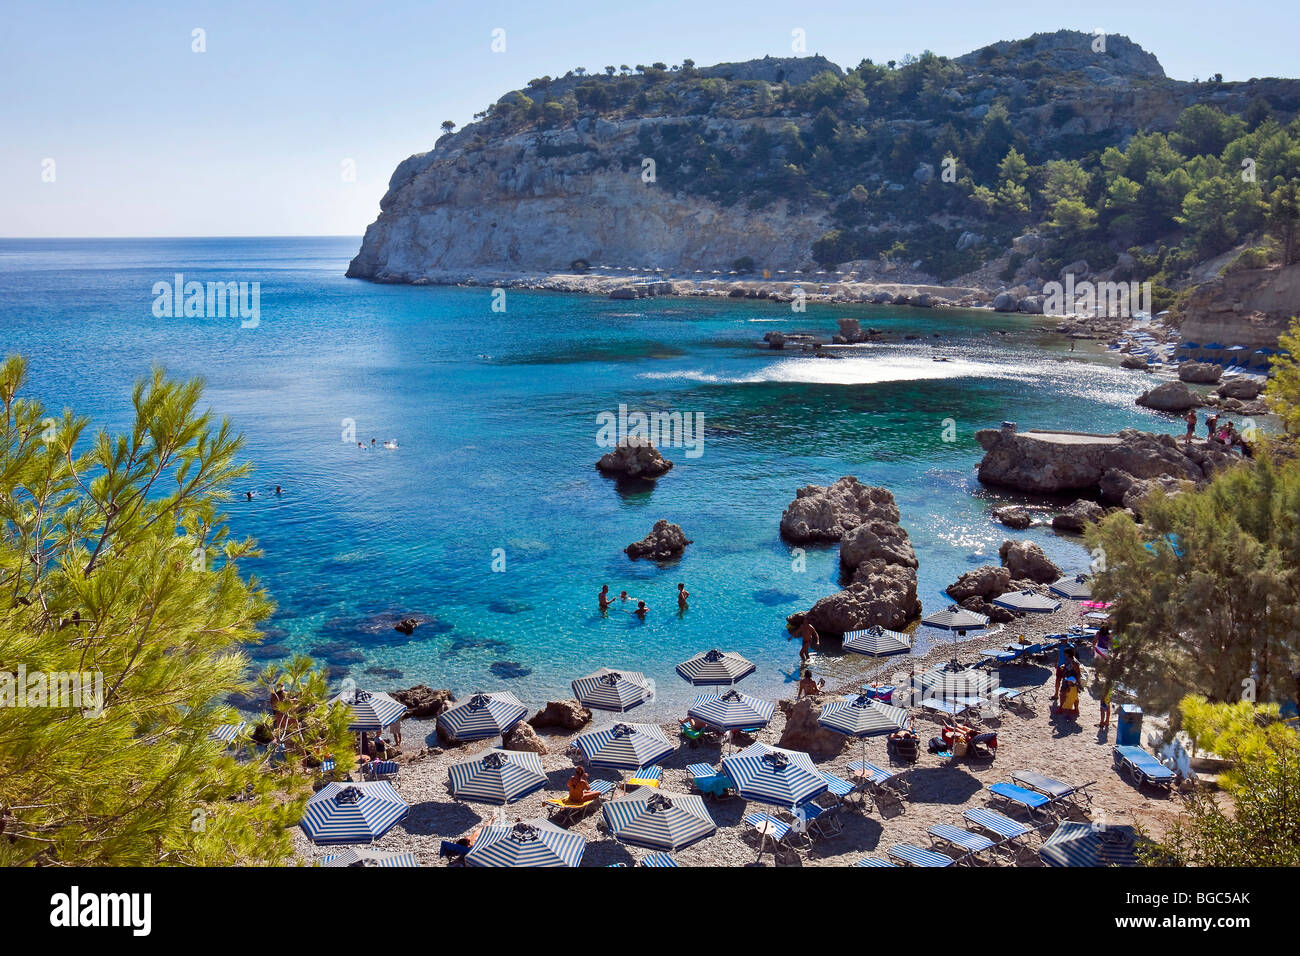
[[226, 733], [526, 843], [370, 710], [625, 746], [715, 668], [483, 715], [608, 689], [786, 778], [956, 618], [1090, 844], [364, 856], [877, 642], [1027, 602], [352, 812], [732, 710], [951, 681], [858, 715], [657, 820], [658, 859], [1076, 588], [498, 776]]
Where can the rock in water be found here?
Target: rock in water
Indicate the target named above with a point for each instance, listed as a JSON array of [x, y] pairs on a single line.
[[1248, 389], [998, 615], [1169, 397], [1078, 516], [522, 737], [423, 701], [634, 460], [986, 582], [1024, 559], [827, 513], [879, 593], [664, 542], [1013, 517], [1134, 361], [406, 625], [564, 714], [802, 732], [1200, 373], [873, 539]]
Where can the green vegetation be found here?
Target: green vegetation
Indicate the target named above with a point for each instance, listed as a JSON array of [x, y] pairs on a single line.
[[1283, 390], [115, 563]]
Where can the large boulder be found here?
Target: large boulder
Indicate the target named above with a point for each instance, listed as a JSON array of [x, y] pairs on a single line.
[[1040, 462], [1134, 361], [880, 593], [1005, 302], [1246, 389], [1078, 516], [1013, 516], [634, 460], [1146, 455], [803, 732], [873, 539], [1024, 559], [998, 615], [1199, 373], [522, 737], [1127, 491], [826, 513], [561, 714], [1169, 397], [987, 582], [422, 701], [665, 542]]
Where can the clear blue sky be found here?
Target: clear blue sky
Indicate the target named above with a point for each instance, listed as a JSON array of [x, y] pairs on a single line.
[[151, 139]]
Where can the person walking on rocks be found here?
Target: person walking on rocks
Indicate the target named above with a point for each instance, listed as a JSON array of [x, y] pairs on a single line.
[[808, 637], [1191, 424]]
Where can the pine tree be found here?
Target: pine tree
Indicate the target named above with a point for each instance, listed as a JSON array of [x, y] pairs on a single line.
[[116, 564]]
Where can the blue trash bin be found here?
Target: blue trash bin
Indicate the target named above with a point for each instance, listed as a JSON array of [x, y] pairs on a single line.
[[1128, 732]]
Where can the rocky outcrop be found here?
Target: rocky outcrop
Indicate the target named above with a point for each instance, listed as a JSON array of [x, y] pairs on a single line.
[[802, 732], [998, 615], [1169, 397], [879, 594], [1078, 516], [1199, 373], [407, 626], [1135, 362], [1245, 389], [1128, 491], [877, 539], [823, 514], [986, 582], [665, 542], [634, 460], [566, 715], [1026, 560], [1249, 307], [422, 701], [1013, 517], [523, 737]]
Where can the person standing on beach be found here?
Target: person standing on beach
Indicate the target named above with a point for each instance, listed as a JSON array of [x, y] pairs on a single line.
[[682, 596], [809, 637], [1210, 424]]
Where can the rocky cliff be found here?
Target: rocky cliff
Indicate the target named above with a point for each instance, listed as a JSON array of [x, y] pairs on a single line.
[[1251, 307]]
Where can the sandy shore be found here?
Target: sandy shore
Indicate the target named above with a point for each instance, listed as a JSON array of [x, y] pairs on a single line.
[[941, 788]]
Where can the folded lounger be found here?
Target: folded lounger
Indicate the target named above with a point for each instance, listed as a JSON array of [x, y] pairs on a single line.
[[918, 856], [1143, 767]]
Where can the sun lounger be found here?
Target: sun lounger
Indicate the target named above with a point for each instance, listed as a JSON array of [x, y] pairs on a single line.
[[1025, 799], [645, 777], [771, 832], [874, 861], [709, 781], [970, 845], [841, 790], [809, 818], [1143, 768], [658, 859], [1056, 789], [1010, 833], [564, 809], [455, 851], [996, 657], [918, 856], [960, 708], [880, 783], [381, 770], [1013, 697]]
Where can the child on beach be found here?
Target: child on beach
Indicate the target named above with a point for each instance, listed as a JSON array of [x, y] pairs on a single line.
[[1105, 710]]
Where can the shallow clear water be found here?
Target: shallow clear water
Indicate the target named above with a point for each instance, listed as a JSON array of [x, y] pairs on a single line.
[[495, 415]]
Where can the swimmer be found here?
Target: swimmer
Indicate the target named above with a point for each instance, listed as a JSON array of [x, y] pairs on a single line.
[[603, 598], [682, 596], [640, 610], [248, 495], [277, 489]]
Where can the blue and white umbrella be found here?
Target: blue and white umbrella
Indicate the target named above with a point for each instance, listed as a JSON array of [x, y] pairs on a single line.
[[715, 668], [1090, 844], [858, 715], [483, 715], [786, 778], [952, 681], [657, 820], [352, 812], [1076, 588], [1027, 602], [363, 856], [498, 776], [625, 746], [371, 711], [732, 710], [877, 642], [608, 689], [226, 733], [527, 843], [956, 618]]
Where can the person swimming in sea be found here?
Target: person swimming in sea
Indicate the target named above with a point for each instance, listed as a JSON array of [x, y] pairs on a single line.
[[604, 599], [641, 610], [248, 495], [682, 596], [277, 489]]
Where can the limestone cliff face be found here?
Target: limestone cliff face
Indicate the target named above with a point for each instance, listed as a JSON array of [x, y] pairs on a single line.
[[536, 201], [1251, 307]]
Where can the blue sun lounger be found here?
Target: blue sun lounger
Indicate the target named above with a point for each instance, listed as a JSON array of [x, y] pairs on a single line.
[[1025, 799], [918, 856], [970, 845], [880, 783], [1011, 833], [1143, 768]]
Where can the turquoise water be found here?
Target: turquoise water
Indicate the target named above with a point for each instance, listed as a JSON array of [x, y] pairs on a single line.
[[495, 416]]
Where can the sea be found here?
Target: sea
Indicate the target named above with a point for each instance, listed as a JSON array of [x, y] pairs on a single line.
[[488, 521]]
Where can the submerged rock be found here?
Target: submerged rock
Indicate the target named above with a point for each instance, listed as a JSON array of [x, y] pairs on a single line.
[[664, 542], [423, 701], [1013, 516]]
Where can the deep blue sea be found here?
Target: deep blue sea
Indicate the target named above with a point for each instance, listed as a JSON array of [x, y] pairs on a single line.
[[495, 418]]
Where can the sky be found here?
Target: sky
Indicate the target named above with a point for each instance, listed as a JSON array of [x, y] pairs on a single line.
[[293, 116]]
